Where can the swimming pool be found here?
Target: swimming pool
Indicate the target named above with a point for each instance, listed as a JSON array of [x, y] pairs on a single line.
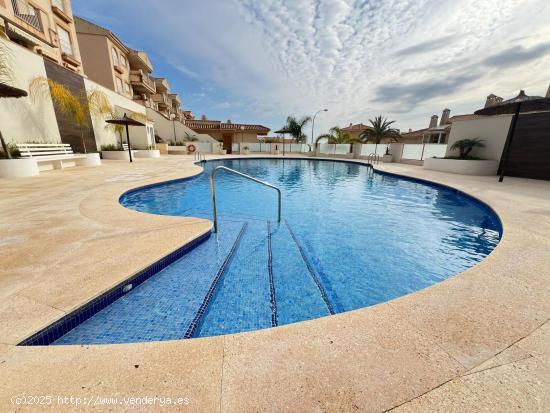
[[349, 238]]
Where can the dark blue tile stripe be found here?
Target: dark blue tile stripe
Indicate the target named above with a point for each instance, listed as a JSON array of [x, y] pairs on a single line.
[[62, 326], [272, 298], [212, 290], [311, 270]]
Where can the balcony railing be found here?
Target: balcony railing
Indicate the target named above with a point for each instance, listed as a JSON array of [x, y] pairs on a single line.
[[140, 79], [161, 99], [28, 13]]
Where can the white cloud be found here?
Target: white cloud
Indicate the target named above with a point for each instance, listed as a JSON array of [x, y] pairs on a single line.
[[406, 59]]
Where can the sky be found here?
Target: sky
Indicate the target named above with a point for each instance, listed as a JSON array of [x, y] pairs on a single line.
[[258, 61]]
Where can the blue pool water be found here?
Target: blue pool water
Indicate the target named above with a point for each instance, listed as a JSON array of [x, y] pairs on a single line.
[[349, 238]]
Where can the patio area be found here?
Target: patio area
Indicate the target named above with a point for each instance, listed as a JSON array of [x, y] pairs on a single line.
[[480, 340]]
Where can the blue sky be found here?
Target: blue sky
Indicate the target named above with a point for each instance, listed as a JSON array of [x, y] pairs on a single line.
[[258, 61]]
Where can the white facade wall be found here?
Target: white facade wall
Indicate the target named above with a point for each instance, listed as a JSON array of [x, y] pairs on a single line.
[[166, 128], [25, 120], [492, 129], [140, 137]]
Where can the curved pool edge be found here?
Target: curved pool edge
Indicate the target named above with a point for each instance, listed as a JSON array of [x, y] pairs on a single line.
[[380, 339], [109, 296]]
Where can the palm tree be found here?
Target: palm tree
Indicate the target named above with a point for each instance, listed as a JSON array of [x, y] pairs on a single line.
[[465, 146], [295, 128], [337, 136], [75, 106], [380, 129]]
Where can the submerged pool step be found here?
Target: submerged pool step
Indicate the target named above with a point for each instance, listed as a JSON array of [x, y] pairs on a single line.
[[163, 307], [299, 296], [242, 299]]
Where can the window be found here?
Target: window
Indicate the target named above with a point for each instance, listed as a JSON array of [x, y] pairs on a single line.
[[119, 88], [123, 61], [60, 4], [65, 41], [114, 55]]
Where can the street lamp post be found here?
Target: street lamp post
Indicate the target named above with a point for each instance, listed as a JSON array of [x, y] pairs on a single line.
[[313, 124], [173, 117]]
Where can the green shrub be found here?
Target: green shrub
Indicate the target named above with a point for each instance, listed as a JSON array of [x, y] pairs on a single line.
[[14, 151], [111, 147]]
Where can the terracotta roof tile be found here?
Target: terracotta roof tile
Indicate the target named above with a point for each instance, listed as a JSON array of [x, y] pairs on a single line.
[[201, 125]]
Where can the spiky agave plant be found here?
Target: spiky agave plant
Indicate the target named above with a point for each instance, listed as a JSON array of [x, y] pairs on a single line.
[[74, 106]]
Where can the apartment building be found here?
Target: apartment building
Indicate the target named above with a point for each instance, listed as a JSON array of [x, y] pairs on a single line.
[[45, 27], [106, 58]]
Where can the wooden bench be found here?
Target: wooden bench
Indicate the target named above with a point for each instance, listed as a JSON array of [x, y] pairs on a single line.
[[54, 153]]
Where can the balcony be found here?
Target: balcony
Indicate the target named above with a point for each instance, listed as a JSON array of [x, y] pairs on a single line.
[[141, 82], [30, 15], [146, 101], [161, 84], [140, 61], [60, 12], [162, 101], [176, 102]]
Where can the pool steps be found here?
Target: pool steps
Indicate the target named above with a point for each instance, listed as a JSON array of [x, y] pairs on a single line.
[[311, 270], [208, 298], [180, 301]]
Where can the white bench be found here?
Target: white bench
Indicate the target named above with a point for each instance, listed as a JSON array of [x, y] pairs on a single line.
[[54, 153]]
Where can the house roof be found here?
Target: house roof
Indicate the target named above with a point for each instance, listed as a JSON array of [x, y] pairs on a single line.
[[358, 127], [84, 26], [528, 104], [216, 125]]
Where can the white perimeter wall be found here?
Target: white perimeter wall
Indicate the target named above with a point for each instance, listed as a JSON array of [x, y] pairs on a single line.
[[105, 134], [492, 129], [23, 120]]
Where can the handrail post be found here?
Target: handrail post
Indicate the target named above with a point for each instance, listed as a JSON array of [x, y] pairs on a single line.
[[213, 189]]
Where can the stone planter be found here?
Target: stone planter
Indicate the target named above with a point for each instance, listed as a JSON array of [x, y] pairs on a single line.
[[245, 152], [276, 152], [177, 150], [90, 159], [117, 155], [150, 153], [462, 166], [387, 158], [18, 168], [222, 152]]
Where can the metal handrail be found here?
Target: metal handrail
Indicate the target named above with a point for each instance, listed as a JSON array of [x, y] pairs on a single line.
[[374, 158], [213, 188], [200, 156]]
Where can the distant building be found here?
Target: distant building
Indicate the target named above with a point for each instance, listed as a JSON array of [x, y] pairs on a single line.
[[435, 132], [44, 27], [228, 132], [109, 62], [354, 131]]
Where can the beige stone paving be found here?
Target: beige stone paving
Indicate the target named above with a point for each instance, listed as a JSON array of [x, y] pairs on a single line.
[[476, 342]]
